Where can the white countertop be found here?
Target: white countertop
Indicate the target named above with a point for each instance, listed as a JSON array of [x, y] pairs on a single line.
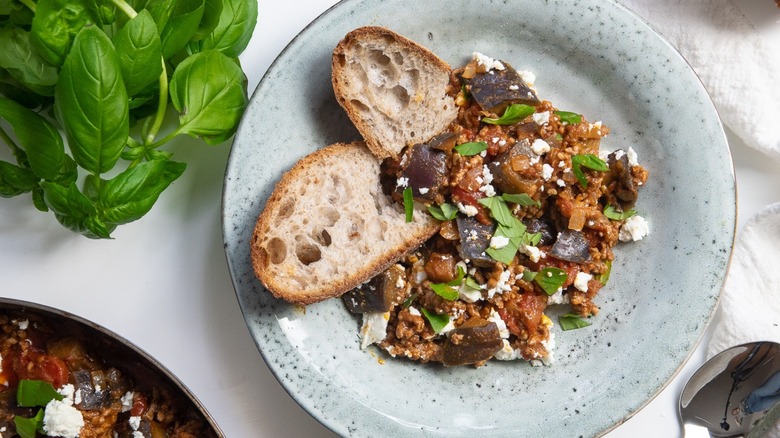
[[163, 282]]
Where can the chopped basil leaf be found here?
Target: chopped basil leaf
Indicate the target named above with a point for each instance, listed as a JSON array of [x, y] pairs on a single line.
[[569, 117], [550, 279], [591, 162], [438, 322], [532, 239], [471, 283], [514, 232], [612, 213], [603, 278], [408, 301], [444, 212], [471, 148], [408, 203], [449, 290], [31, 393], [498, 209], [27, 427], [520, 199], [513, 114], [529, 275], [571, 321]]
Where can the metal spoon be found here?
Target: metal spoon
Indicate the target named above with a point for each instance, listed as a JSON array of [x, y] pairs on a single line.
[[734, 394]]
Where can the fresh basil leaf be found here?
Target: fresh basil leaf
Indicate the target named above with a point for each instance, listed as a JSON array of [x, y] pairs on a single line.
[[208, 90], [520, 199], [212, 11], [505, 254], [513, 114], [498, 209], [590, 161], [55, 25], [438, 322], [569, 117], [471, 148], [28, 427], [571, 321], [138, 49], [529, 275], [603, 278], [182, 25], [37, 199], [550, 279], [22, 62], [611, 212], [15, 180], [132, 193], [234, 30], [443, 212], [41, 141], [161, 11], [445, 291], [409, 204], [532, 239], [91, 102], [31, 393], [409, 300], [472, 283], [74, 210]]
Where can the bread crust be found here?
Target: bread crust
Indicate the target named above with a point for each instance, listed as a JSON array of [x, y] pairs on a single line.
[[429, 100], [341, 263]]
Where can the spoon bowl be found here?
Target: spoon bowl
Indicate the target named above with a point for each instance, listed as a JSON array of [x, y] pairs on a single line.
[[735, 393]]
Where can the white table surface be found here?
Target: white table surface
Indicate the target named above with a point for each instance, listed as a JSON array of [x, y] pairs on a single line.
[[163, 282]]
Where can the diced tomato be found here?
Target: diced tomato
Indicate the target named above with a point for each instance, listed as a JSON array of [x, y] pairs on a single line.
[[33, 365], [140, 404], [470, 198], [524, 313]]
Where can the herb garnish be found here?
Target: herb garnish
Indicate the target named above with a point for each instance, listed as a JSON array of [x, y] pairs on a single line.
[[513, 114], [611, 212], [520, 199], [471, 148], [443, 212], [550, 279], [572, 321], [28, 427], [587, 160], [32, 393], [408, 203], [438, 321], [569, 117], [510, 227], [603, 278], [449, 290]]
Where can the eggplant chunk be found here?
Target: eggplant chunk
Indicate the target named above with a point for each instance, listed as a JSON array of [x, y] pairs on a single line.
[[378, 294], [506, 166], [472, 344], [93, 395], [542, 226], [497, 89], [474, 240], [424, 169], [620, 169], [571, 246], [443, 142]]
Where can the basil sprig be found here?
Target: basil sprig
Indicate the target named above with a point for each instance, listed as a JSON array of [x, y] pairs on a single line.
[[611, 212], [513, 114], [572, 321], [550, 279], [437, 321], [408, 203], [590, 161], [471, 148]]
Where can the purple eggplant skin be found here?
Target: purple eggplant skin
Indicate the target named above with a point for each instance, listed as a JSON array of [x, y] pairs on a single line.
[[472, 344], [542, 226], [626, 191], [474, 240], [378, 294], [424, 169], [505, 178], [497, 89], [571, 246]]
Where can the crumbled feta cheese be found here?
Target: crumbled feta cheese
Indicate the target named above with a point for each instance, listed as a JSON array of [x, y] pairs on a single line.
[[424, 190], [506, 352], [374, 328], [402, 182], [486, 179], [469, 294], [498, 242], [448, 328], [528, 77], [68, 392], [487, 62], [496, 318], [468, 210], [414, 311], [61, 419], [495, 139], [547, 171], [400, 282], [534, 159], [541, 118], [532, 252], [540, 146], [560, 183], [619, 154], [634, 228], [138, 434], [502, 285], [488, 190], [127, 401], [134, 422], [557, 298], [514, 87], [23, 324], [581, 281], [632, 158]]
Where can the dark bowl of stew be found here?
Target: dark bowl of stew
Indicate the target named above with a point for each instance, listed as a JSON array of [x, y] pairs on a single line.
[[63, 375]]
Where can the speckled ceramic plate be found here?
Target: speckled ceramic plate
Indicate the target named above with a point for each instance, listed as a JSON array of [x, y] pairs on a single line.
[[593, 57]]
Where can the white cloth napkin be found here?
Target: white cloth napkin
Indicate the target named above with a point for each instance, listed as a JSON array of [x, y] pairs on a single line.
[[741, 74]]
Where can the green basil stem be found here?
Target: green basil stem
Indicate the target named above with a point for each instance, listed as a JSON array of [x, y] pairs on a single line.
[[16, 150], [29, 3], [162, 106], [126, 8]]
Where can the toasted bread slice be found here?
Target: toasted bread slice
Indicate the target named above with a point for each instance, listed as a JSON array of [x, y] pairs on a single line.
[[328, 227], [393, 89]]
